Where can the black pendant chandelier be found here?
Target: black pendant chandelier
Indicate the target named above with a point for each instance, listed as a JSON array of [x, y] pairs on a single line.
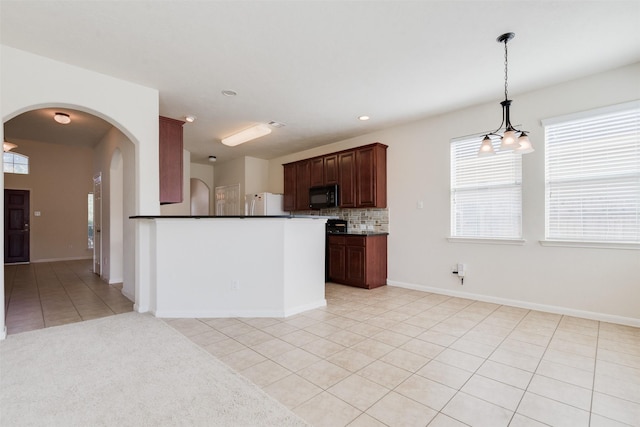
[[511, 138]]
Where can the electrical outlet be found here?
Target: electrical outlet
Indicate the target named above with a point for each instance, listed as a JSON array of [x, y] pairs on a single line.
[[461, 270], [235, 284]]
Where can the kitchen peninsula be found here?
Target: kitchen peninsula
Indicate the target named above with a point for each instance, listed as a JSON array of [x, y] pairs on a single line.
[[222, 266]]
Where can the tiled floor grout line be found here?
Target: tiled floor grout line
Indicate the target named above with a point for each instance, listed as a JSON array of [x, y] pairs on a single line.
[[35, 270], [486, 358], [90, 289], [595, 366], [515, 411]]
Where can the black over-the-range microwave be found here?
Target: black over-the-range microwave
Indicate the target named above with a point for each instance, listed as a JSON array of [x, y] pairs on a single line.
[[323, 197]]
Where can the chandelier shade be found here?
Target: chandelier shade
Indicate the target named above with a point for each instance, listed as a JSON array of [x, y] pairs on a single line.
[[511, 139]]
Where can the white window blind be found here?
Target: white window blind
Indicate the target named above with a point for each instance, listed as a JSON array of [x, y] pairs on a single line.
[[486, 192], [593, 176]]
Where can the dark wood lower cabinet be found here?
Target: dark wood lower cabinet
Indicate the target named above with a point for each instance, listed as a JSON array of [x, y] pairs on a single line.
[[358, 260]]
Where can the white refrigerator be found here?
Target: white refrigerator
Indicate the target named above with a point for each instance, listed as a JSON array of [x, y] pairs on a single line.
[[263, 204]]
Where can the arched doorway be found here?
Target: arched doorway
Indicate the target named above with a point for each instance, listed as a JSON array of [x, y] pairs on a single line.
[[62, 161], [131, 109]]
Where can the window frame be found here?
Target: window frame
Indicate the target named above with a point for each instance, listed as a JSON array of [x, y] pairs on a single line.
[[509, 163], [13, 163], [553, 124]]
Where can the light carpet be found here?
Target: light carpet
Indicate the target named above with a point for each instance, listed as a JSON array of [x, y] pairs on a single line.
[[125, 370]]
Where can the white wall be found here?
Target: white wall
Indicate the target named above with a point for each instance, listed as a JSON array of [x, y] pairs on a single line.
[[597, 283], [59, 181], [113, 272], [30, 81], [256, 175]]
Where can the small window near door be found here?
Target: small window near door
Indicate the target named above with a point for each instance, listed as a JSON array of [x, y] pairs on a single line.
[[16, 163], [90, 211]]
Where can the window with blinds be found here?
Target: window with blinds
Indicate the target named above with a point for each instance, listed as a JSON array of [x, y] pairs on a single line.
[[593, 176], [486, 192]]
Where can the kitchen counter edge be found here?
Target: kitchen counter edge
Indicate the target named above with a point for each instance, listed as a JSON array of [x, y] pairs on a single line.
[[228, 216]]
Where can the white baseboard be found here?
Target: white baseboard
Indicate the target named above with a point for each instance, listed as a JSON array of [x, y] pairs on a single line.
[[603, 317], [205, 314], [60, 259], [305, 307]]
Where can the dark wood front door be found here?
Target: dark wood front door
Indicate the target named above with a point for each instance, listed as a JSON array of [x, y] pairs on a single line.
[[16, 226]]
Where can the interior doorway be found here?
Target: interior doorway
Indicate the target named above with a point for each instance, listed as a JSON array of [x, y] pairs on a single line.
[[16, 226], [199, 197]]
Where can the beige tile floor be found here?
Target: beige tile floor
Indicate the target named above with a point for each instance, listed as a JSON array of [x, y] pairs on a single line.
[[388, 356], [48, 294], [397, 357]]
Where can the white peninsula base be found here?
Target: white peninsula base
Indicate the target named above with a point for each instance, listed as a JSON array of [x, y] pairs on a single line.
[[236, 266]]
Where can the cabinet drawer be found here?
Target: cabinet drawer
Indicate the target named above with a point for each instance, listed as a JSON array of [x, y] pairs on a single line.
[[356, 241], [337, 240]]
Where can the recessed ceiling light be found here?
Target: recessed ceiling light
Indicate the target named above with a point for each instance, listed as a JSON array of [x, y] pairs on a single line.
[[364, 118], [62, 118], [229, 92], [190, 119]]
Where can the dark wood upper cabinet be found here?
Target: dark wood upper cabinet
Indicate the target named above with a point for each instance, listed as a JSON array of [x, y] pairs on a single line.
[[170, 151], [361, 175], [316, 166], [289, 198], [303, 176], [331, 169], [347, 179], [371, 176]]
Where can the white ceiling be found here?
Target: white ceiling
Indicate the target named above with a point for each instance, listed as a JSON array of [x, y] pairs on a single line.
[[318, 65]]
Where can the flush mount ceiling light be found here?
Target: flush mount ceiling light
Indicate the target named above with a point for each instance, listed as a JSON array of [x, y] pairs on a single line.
[[512, 138], [212, 159], [8, 146], [363, 118], [229, 92], [62, 118], [190, 119], [253, 132]]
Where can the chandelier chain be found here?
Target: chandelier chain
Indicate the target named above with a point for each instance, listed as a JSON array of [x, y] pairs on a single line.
[[506, 63]]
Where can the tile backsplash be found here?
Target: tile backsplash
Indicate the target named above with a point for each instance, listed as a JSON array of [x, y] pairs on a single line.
[[359, 219]]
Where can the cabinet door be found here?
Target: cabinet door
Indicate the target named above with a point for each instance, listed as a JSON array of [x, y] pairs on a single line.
[[289, 198], [366, 183], [336, 263], [302, 185], [170, 153], [355, 265], [347, 179], [371, 177], [316, 166], [331, 169]]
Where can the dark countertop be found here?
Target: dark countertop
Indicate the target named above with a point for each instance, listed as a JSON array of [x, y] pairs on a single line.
[[227, 216], [361, 233]]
